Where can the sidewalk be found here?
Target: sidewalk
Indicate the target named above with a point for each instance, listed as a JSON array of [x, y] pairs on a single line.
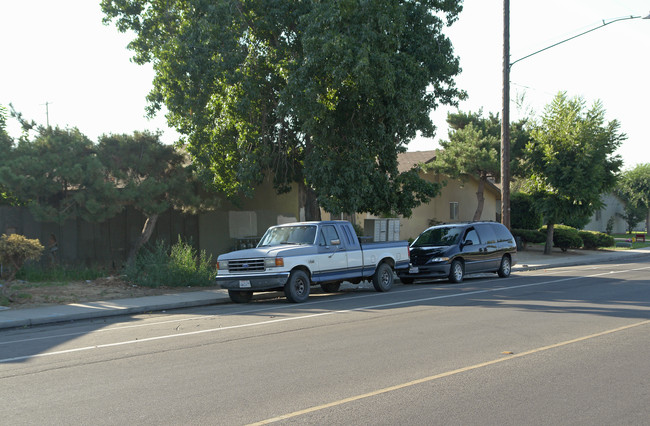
[[531, 258]]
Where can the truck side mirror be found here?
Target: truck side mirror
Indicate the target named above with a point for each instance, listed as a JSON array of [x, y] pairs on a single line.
[[335, 242]]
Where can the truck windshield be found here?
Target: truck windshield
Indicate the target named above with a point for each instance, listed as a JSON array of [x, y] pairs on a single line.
[[303, 234], [439, 236]]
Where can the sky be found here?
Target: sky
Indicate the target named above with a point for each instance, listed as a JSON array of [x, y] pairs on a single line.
[[60, 64]]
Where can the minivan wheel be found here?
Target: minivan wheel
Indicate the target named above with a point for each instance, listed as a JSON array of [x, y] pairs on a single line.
[[505, 267], [456, 272]]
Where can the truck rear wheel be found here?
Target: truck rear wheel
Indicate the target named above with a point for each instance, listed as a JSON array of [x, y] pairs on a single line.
[[297, 287], [239, 296], [383, 278]]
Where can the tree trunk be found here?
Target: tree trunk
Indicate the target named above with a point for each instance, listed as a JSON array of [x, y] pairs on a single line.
[[549, 238], [309, 202], [147, 230], [647, 222], [480, 198]]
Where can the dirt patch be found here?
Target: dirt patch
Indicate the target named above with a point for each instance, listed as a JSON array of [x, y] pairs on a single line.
[[21, 295]]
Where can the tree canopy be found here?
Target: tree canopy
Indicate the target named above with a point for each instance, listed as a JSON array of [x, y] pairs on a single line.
[[634, 188], [6, 144], [58, 177], [473, 149], [61, 175], [571, 160], [322, 94]]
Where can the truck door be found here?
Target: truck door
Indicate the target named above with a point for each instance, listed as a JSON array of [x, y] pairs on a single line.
[[332, 261]]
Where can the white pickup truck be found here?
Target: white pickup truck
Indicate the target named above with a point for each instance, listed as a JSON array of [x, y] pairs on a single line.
[[294, 256]]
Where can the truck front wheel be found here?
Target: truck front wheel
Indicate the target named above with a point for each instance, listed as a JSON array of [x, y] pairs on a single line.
[[297, 287], [239, 296], [383, 278]]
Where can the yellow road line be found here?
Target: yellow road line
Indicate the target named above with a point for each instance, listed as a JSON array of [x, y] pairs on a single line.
[[446, 374]]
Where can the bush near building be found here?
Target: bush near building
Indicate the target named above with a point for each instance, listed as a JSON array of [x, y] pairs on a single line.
[[564, 237], [593, 240], [532, 236]]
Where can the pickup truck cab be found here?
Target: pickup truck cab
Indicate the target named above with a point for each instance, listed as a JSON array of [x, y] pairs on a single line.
[[292, 257]]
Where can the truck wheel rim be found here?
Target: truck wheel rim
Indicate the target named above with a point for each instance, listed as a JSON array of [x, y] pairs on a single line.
[[300, 286]]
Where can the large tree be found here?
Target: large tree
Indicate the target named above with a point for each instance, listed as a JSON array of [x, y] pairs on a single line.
[[323, 94], [571, 160], [634, 187]]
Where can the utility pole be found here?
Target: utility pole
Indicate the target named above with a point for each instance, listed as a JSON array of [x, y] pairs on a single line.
[[47, 113], [505, 120]]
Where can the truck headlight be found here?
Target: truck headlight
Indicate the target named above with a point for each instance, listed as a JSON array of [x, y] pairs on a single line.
[[272, 262], [222, 265]]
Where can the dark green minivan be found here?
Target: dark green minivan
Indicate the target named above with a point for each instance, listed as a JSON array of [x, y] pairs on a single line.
[[458, 249]]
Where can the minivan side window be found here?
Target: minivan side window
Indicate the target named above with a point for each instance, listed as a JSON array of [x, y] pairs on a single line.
[[473, 237], [486, 232]]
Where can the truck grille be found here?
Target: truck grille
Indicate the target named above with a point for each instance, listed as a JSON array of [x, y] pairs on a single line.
[[246, 265]]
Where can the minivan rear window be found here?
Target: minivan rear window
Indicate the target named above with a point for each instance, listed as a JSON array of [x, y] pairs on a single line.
[[503, 235]]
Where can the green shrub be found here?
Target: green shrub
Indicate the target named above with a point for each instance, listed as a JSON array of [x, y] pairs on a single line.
[[529, 235], [564, 237], [178, 266], [592, 239], [15, 250], [523, 214]]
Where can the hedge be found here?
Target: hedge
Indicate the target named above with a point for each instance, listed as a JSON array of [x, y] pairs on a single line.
[[564, 237], [593, 240]]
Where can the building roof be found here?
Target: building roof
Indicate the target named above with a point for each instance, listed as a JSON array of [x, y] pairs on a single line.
[[408, 160]]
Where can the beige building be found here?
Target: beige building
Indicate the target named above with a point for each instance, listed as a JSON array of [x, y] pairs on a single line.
[[457, 201]]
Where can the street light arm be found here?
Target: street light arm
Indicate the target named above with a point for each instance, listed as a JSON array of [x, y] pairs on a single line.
[[578, 35]]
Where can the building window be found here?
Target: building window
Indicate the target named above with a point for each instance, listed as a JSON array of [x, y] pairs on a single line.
[[453, 210]]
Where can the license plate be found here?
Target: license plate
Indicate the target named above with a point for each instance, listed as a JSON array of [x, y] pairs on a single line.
[[414, 270], [244, 284]]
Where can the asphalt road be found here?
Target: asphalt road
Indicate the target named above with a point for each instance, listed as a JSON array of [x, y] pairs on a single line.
[[561, 346]]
